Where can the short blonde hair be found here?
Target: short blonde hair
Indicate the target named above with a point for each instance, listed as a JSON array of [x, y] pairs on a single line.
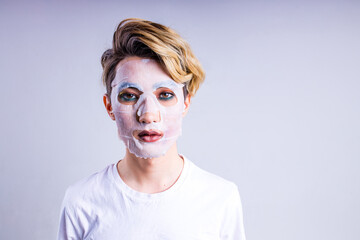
[[146, 39]]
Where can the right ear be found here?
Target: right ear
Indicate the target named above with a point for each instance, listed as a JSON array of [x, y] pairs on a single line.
[[108, 106]]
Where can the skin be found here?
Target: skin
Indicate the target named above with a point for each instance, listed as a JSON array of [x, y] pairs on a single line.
[[149, 175]]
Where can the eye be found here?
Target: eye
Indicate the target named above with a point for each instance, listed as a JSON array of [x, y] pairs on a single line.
[[166, 96], [127, 97]]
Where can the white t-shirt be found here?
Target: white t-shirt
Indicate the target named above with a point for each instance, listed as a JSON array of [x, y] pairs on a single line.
[[199, 205]]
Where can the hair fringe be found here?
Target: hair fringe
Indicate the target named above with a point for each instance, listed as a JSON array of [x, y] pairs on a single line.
[[146, 39]]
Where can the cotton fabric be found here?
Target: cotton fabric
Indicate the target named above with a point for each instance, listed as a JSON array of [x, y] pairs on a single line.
[[200, 205]]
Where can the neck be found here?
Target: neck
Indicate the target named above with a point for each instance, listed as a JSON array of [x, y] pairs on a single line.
[[151, 175]]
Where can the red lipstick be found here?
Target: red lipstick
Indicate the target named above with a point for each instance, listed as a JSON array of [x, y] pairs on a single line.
[[150, 136]]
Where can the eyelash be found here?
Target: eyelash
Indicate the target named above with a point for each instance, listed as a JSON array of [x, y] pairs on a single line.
[[127, 97], [162, 97], [131, 97]]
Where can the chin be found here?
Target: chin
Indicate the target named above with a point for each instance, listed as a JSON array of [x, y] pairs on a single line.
[[148, 150], [147, 153]]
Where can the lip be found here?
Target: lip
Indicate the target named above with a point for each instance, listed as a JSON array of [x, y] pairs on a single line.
[[149, 135]]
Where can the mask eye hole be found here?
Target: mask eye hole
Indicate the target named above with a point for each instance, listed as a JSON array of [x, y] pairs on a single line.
[[166, 97], [129, 96]]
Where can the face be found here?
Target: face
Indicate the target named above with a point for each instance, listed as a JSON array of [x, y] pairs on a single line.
[[148, 107]]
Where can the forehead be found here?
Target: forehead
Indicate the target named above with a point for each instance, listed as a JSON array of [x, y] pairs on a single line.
[[141, 71]]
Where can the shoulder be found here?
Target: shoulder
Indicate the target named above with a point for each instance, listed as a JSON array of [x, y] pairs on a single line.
[[82, 203], [89, 189], [221, 198], [210, 183]]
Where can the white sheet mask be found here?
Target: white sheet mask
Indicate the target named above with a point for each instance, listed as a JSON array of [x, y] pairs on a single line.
[[148, 79]]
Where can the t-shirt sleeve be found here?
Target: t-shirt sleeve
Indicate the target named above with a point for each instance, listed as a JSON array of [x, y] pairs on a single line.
[[233, 225], [69, 226]]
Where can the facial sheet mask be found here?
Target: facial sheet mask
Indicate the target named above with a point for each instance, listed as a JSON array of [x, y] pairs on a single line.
[[149, 80]]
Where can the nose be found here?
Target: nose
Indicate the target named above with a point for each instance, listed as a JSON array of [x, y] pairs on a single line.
[[150, 117], [148, 111]]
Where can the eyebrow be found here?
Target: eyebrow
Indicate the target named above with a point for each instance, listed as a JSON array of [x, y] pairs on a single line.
[[171, 84], [125, 85]]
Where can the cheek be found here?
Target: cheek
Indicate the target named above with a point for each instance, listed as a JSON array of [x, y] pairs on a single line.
[[172, 118], [174, 112], [125, 122], [124, 115]]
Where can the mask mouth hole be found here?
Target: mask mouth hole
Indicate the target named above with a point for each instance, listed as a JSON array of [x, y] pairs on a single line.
[[149, 136]]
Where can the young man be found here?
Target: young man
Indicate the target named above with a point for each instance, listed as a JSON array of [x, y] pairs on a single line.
[[150, 75]]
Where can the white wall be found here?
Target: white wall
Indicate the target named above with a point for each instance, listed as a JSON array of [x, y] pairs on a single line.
[[278, 114]]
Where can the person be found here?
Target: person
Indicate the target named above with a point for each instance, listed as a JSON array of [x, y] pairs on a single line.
[[150, 74]]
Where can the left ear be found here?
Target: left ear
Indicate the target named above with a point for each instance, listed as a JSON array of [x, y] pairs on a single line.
[[187, 105]]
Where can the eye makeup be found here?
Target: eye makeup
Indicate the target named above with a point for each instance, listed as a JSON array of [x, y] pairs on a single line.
[[127, 97], [166, 97]]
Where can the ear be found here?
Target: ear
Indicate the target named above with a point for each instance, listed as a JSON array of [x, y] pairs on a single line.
[[108, 106], [187, 105]]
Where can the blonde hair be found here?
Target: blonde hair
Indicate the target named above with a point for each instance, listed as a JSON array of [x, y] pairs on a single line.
[[146, 39]]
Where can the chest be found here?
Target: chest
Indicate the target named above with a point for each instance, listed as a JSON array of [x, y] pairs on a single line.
[[183, 218]]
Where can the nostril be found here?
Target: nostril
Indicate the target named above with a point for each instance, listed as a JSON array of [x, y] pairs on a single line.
[[149, 117]]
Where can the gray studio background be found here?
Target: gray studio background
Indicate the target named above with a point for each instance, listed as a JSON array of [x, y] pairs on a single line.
[[278, 113]]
